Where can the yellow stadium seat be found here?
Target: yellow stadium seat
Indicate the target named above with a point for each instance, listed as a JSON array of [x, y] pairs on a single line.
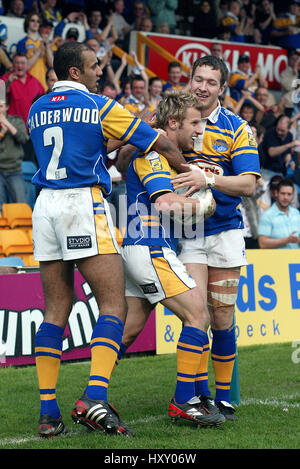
[[15, 243], [3, 223], [29, 260], [18, 215]]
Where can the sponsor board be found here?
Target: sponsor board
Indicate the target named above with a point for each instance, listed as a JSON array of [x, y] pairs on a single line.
[[268, 304], [272, 59], [22, 311]]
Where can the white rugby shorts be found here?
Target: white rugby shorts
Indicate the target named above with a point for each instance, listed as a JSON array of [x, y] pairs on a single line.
[[224, 250], [71, 224], [154, 273]]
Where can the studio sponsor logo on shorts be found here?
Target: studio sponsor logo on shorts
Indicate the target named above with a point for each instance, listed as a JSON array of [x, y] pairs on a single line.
[[149, 288], [79, 242]]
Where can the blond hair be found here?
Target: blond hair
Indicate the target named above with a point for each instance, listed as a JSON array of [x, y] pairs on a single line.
[[175, 105]]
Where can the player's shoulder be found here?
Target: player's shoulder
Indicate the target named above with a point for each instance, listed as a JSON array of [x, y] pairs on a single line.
[[231, 119]]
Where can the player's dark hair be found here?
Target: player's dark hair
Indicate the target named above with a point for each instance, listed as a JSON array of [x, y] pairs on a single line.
[[69, 55], [215, 63]]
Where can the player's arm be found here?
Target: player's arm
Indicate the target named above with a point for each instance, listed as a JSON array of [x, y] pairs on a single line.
[[170, 202], [166, 148], [162, 145], [119, 124], [240, 185]]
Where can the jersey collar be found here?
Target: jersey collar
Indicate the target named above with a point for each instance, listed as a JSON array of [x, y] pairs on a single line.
[[214, 115], [65, 85]]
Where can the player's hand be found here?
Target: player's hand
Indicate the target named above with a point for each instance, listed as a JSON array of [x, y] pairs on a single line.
[[192, 179]]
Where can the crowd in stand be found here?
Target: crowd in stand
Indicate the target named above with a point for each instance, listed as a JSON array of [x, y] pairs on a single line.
[[273, 117]]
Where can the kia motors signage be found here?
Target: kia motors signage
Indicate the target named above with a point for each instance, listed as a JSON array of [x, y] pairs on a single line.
[[272, 59]]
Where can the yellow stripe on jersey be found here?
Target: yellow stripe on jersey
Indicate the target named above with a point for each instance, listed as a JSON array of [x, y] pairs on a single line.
[[117, 122], [151, 167]]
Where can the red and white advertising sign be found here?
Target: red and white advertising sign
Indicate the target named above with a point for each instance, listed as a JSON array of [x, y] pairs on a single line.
[[272, 59]]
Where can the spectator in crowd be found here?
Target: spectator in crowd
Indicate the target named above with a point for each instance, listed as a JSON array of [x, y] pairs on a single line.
[[16, 9], [162, 28], [250, 209], [265, 192], [279, 226], [216, 49], [163, 11], [37, 48], [50, 12], [51, 78], [244, 79], [247, 112], [128, 9], [138, 13], [115, 77], [146, 24], [108, 89], [205, 21], [95, 19], [135, 103], [288, 79], [264, 18], [106, 36], [224, 33], [232, 21], [125, 90], [5, 57], [21, 87], [174, 75], [247, 106], [73, 17], [285, 32], [122, 27], [13, 135], [278, 146], [251, 33], [266, 100], [155, 91]]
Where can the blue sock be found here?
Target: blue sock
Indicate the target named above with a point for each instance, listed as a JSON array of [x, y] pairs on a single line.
[[48, 350], [223, 354], [105, 346], [201, 383], [189, 350]]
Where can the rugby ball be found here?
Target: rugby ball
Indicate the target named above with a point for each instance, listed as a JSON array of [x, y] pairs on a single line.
[[206, 209]]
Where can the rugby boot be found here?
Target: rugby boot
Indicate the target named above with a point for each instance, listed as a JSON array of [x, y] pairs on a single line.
[[49, 426], [193, 411]]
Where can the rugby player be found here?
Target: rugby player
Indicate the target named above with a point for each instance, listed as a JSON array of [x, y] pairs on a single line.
[[227, 153], [70, 128], [153, 272]]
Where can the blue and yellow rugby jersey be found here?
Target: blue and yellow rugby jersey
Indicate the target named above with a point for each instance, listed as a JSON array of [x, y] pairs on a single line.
[[29, 46], [236, 85], [147, 177], [282, 23], [228, 149], [69, 128]]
